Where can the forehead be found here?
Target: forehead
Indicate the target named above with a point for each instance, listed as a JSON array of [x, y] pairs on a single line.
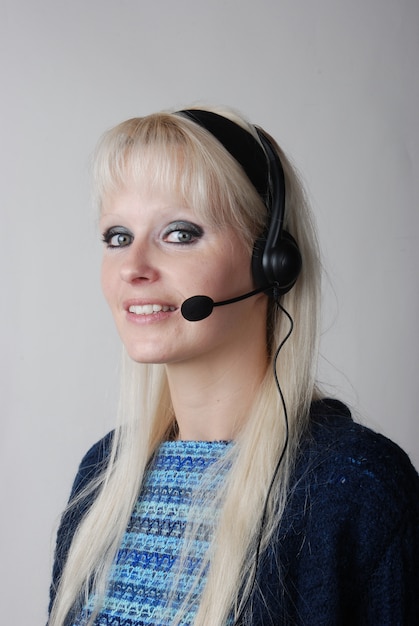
[[133, 200]]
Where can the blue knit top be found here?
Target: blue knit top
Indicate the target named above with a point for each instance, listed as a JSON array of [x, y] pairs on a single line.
[[144, 570]]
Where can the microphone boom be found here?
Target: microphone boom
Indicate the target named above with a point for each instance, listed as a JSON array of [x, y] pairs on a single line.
[[198, 308]]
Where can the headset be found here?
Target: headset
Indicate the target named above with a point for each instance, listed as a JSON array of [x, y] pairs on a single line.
[[276, 258]]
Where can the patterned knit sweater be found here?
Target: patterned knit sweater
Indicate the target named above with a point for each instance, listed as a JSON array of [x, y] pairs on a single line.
[[346, 552], [144, 570]]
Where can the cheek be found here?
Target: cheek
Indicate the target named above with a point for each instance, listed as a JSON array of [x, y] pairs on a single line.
[[107, 282], [238, 268]]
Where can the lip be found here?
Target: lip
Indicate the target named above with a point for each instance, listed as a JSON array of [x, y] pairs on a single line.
[[144, 302]]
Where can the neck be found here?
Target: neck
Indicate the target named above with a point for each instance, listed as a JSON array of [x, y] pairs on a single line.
[[212, 398]]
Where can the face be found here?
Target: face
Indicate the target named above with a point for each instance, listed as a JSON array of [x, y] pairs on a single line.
[[158, 253]]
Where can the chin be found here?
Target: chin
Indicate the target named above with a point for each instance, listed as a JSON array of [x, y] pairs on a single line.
[[151, 357], [146, 359]]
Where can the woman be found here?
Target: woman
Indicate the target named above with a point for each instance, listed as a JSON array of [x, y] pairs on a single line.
[[231, 491]]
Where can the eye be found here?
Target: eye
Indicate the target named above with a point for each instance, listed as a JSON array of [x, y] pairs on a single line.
[[182, 232], [117, 237]]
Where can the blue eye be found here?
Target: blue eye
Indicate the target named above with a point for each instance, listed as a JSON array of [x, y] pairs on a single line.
[[117, 237], [182, 232]]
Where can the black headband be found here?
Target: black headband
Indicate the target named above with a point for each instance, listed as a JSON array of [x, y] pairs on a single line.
[[239, 143]]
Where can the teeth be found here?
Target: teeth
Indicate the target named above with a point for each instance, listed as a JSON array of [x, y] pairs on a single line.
[[148, 309]]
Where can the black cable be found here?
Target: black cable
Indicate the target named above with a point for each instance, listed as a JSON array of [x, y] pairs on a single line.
[[277, 467]]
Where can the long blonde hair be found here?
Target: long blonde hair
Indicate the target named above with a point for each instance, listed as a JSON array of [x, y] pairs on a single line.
[[173, 153]]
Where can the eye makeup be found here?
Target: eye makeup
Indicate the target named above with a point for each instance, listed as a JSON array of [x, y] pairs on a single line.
[[179, 232], [117, 237], [182, 232]]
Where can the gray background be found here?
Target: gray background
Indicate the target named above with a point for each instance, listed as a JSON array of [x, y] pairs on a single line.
[[334, 81]]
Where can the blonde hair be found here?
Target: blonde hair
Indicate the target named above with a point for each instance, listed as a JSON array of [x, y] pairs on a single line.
[[167, 151]]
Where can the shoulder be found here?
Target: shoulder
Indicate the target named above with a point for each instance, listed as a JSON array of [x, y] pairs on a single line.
[[348, 541], [92, 464], [90, 468], [359, 493], [350, 456]]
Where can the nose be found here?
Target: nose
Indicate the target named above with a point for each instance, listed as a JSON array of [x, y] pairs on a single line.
[[138, 264]]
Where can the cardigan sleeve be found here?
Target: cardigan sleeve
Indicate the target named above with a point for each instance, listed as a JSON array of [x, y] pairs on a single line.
[[391, 594], [90, 467]]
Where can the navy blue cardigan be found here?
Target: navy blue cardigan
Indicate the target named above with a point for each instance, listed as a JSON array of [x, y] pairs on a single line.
[[347, 549]]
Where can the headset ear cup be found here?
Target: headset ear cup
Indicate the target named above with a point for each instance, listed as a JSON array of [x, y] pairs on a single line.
[[284, 263], [278, 266]]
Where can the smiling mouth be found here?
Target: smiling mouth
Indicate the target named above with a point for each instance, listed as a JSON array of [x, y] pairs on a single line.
[[149, 309]]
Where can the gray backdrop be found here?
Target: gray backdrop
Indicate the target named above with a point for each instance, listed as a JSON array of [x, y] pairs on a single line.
[[334, 81]]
